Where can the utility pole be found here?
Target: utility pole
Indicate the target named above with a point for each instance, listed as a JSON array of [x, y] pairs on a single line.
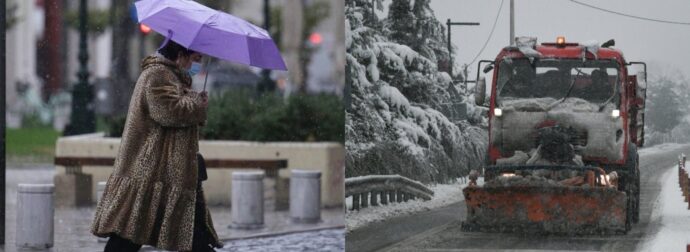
[[450, 55], [82, 119], [512, 22]]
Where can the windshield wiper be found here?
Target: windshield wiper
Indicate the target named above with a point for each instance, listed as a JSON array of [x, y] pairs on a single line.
[[570, 89], [601, 107]]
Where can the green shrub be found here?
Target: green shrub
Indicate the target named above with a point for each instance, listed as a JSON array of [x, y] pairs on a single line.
[[115, 126], [237, 115]]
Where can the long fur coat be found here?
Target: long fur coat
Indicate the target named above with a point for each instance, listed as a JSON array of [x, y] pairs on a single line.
[[150, 196]]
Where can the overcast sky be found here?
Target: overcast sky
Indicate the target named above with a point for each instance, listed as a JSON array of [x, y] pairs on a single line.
[[663, 44]]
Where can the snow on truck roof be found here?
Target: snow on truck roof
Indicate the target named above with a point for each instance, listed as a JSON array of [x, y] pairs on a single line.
[[570, 50]]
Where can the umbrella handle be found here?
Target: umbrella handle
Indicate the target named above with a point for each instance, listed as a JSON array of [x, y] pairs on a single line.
[[167, 39], [206, 77]]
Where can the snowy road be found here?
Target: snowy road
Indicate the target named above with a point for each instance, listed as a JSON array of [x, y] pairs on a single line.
[[439, 229]]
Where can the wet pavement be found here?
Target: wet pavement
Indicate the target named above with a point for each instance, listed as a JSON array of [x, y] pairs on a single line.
[[72, 225]]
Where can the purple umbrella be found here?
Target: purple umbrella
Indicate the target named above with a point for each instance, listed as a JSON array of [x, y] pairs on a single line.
[[211, 32]]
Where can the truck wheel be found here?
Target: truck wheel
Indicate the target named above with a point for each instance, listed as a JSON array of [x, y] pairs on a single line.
[[630, 185]]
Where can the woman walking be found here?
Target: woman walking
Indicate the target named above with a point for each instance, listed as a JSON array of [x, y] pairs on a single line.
[[154, 197]]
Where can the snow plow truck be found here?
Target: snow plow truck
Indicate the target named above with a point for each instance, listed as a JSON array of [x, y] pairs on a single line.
[[565, 122]]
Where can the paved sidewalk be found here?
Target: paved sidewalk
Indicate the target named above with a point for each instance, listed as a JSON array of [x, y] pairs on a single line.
[[279, 234]]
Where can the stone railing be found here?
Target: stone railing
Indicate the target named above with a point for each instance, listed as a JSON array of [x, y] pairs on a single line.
[[378, 190]]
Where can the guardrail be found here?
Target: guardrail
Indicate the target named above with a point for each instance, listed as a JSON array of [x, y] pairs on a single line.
[[684, 179], [375, 189]]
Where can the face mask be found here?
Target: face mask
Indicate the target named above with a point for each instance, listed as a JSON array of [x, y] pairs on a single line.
[[195, 69]]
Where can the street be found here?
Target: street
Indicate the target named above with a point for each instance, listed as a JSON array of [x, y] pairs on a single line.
[[439, 229], [72, 224]]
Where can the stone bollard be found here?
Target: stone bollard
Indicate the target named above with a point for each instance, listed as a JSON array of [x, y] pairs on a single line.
[[99, 195], [305, 196], [99, 191], [35, 213], [247, 200]]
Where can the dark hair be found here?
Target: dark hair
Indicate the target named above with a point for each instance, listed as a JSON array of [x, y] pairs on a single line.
[[171, 50]]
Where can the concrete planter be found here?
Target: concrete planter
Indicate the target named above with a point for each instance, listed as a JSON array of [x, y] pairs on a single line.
[[328, 158]]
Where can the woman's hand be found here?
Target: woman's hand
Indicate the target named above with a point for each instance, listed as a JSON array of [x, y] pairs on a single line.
[[204, 99]]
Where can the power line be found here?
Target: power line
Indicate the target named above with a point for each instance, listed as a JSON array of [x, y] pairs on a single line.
[[490, 34], [629, 15]]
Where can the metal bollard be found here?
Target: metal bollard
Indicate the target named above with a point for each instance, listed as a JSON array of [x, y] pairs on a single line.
[[247, 200], [35, 213], [305, 196]]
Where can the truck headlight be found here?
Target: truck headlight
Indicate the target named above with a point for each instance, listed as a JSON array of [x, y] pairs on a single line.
[[498, 112], [615, 113]]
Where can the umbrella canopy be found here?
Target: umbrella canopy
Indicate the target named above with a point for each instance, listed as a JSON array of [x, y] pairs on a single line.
[[211, 32]]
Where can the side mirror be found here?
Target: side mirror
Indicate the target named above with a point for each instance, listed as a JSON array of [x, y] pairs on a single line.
[[480, 91], [488, 68]]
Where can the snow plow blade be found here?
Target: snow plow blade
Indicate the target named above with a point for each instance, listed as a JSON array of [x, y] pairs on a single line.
[[564, 210]]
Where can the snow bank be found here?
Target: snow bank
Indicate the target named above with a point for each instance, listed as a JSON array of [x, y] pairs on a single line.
[[444, 195], [672, 213], [652, 150]]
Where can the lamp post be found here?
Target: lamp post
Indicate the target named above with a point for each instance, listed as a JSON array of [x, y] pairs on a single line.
[[266, 84], [82, 119], [450, 56]]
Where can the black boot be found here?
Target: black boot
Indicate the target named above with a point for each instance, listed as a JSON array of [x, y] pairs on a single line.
[[119, 244]]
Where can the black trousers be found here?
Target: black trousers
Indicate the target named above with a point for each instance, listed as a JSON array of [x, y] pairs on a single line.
[[200, 238]]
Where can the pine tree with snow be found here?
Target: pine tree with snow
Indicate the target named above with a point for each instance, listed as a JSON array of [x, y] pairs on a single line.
[[397, 119], [401, 22], [431, 37]]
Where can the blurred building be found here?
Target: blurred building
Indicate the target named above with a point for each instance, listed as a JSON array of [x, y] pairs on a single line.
[[42, 58], [42, 50], [21, 77]]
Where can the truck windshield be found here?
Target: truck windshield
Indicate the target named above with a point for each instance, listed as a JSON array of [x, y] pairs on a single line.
[[591, 80]]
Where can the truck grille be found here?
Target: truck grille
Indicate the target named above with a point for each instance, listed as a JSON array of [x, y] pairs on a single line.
[[580, 138]]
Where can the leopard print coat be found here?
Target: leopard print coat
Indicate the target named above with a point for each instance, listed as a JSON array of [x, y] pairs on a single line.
[[150, 196]]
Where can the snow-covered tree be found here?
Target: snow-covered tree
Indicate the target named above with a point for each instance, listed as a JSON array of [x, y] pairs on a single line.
[[401, 22], [663, 107], [395, 123], [667, 117]]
